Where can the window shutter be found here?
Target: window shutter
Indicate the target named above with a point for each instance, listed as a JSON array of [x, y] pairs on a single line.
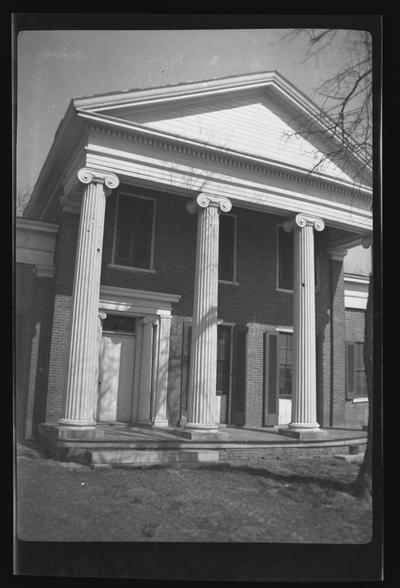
[[186, 346], [238, 403], [350, 366], [271, 379]]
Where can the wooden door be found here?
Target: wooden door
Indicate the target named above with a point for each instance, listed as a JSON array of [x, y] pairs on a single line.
[[115, 393]]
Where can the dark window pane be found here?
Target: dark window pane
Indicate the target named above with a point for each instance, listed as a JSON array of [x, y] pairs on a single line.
[[285, 259], [350, 368], [134, 231], [223, 359], [226, 248], [126, 324]]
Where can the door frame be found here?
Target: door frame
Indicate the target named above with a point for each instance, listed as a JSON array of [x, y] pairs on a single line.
[[121, 334], [283, 331]]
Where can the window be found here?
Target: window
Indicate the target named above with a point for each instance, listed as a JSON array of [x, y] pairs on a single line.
[[223, 359], [227, 248], [134, 231], [356, 382], [285, 265], [285, 343]]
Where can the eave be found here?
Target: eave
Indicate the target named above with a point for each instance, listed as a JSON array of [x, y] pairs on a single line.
[[196, 147]]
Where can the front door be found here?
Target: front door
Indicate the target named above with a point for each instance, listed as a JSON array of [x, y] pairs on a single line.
[[115, 390]]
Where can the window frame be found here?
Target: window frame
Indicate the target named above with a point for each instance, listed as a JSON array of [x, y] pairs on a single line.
[[284, 331], [352, 396], [113, 264], [316, 262], [234, 281]]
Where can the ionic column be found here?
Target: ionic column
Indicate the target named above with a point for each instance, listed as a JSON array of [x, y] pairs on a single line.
[[81, 383], [304, 403], [160, 370], [203, 359]]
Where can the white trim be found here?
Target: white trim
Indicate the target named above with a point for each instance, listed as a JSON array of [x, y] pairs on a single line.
[[228, 283], [163, 139], [128, 268], [357, 279], [153, 226], [136, 302], [35, 225], [360, 399], [141, 165], [353, 299], [284, 329], [270, 79]]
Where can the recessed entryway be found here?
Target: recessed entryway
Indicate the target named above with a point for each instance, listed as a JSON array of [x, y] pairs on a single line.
[[116, 369]]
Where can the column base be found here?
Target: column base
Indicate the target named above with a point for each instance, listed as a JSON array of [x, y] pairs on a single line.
[[72, 424], [59, 431], [303, 433], [197, 434], [160, 422]]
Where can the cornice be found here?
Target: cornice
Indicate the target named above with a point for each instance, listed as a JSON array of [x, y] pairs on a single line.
[[230, 158], [35, 225]]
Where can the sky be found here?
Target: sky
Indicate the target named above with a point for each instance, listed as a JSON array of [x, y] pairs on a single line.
[[55, 66]]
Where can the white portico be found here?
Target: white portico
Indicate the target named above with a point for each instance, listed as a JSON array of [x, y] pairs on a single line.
[[219, 145]]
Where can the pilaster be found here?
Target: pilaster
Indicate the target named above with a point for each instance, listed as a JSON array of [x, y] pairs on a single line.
[[161, 353]]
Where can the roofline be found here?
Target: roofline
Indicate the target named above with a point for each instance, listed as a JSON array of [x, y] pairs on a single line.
[[214, 86]]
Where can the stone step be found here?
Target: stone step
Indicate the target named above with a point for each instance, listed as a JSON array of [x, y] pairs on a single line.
[[141, 457]]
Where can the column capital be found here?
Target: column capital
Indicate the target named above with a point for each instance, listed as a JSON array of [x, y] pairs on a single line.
[[75, 181], [110, 180], [337, 253], [205, 200], [367, 241], [303, 220], [149, 319]]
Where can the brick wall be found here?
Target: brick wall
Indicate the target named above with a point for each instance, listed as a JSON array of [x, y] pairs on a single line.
[[24, 334], [34, 305], [63, 285]]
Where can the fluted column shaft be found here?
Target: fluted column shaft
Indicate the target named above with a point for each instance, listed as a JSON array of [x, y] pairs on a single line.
[[304, 388], [203, 358], [81, 385]]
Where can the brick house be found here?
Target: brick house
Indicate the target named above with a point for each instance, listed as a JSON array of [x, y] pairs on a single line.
[[179, 263]]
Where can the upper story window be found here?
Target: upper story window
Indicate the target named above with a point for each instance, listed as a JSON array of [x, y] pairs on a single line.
[[227, 248], [134, 232], [285, 266]]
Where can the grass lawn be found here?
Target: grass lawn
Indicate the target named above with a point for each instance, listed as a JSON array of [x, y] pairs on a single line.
[[291, 500]]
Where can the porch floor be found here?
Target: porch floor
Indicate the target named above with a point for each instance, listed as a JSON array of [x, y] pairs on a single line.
[[142, 434], [133, 445]]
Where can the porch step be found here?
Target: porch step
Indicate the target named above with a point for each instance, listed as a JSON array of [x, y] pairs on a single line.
[[140, 457]]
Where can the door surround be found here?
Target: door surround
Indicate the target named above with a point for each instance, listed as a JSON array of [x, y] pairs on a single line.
[[152, 347]]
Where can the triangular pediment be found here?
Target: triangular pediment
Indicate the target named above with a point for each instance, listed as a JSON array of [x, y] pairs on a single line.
[[258, 121]]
